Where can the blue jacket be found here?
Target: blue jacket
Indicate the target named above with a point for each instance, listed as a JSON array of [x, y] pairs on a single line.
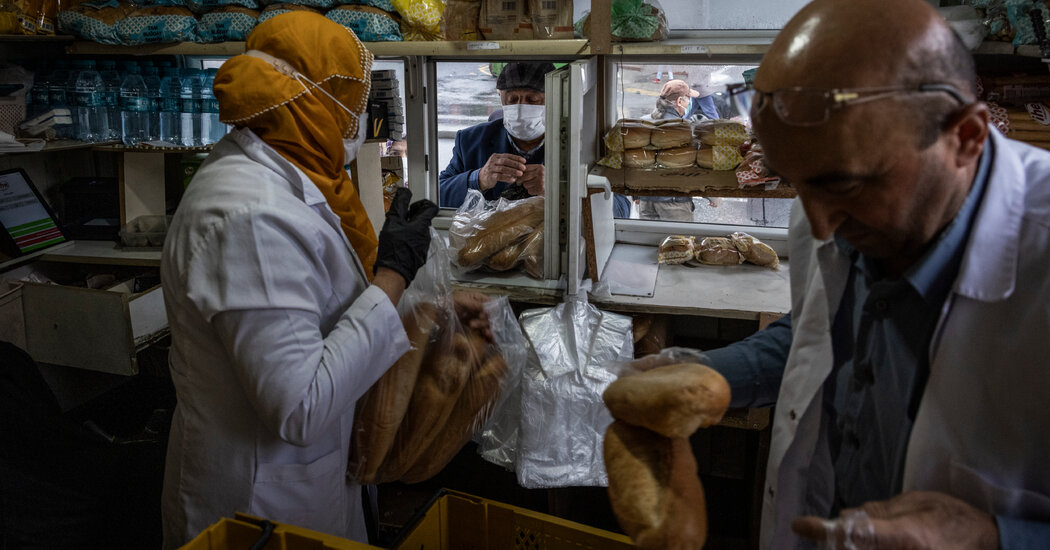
[[472, 150]]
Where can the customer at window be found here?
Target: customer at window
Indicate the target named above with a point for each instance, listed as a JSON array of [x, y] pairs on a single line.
[[674, 101], [505, 156]]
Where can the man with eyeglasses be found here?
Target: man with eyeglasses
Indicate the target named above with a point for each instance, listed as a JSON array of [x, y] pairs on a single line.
[[912, 375]]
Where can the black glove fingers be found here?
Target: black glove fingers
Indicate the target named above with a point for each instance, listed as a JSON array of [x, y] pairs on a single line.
[[422, 210], [399, 204]]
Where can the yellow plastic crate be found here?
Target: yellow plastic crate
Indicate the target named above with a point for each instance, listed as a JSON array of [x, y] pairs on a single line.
[[242, 532], [458, 521]]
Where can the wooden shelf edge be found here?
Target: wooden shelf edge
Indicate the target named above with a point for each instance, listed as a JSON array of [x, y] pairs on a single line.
[[480, 48], [695, 182]]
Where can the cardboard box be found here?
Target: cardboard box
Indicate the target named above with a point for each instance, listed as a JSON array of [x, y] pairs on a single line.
[[458, 521], [243, 531]]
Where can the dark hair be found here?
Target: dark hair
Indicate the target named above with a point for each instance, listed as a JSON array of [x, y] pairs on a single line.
[[950, 63]]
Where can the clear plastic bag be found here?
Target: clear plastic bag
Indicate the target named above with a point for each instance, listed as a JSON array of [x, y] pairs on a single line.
[[676, 249], [500, 234], [498, 438], [426, 407], [574, 345]]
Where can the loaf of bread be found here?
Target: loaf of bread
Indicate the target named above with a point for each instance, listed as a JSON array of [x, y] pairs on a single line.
[[675, 134], [532, 256], [500, 230], [654, 488], [705, 158], [442, 376], [509, 257], [382, 408], [639, 158], [471, 410], [718, 251], [673, 400], [675, 249], [721, 132], [635, 137], [676, 157], [754, 250]]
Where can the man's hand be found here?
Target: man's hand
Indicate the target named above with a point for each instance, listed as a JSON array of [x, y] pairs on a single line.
[[500, 167], [532, 179], [470, 308], [912, 520]]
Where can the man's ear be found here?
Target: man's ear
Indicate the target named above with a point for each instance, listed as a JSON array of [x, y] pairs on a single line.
[[970, 128]]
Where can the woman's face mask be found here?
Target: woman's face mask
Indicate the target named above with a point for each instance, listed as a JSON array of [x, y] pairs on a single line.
[[352, 146], [524, 122]]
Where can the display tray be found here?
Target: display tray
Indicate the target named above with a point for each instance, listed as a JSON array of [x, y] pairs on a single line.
[[693, 182]]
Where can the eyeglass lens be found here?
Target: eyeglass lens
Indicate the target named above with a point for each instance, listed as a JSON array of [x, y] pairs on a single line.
[[801, 106]]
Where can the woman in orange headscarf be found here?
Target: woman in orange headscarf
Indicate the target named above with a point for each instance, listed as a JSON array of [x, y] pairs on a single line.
[[276, 328]]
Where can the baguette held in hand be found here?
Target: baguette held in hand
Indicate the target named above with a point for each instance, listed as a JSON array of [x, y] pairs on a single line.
[[654, 488], [382, 408], [471, 410], [672, 400], [442, 377]]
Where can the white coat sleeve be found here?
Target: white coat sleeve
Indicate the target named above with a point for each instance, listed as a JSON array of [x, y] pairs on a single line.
[[265, 300]]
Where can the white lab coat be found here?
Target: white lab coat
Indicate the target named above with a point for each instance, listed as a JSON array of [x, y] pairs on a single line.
[[275, 335], [981, 428]]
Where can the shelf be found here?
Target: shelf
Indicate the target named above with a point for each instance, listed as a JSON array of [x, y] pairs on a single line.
[[992, 47], [481, 48], [121, 148], [35, 38], [692, 182], [64, 145], [703, 46], [103, 252]]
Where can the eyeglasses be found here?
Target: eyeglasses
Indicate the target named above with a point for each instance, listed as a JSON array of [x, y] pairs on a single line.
[[801, 106]]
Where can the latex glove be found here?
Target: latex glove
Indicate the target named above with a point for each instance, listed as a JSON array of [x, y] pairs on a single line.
[[405, 237], [916, 519], [500, 167]]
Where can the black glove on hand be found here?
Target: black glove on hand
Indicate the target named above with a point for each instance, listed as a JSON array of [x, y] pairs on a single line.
[[405, 237]]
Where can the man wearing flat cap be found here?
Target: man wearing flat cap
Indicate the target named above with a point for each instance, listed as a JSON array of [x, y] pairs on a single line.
[[505, 156]]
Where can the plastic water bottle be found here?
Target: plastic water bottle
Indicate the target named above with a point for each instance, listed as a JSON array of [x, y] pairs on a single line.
[[190, 108], [212, 129], [170, 87], [39, 91], [90, 103], [112, 78], [134, 108], [149, 76], [56, 82]]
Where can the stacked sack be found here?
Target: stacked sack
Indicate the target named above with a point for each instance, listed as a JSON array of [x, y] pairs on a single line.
[[208, 21], [674, 144], [734, 249]]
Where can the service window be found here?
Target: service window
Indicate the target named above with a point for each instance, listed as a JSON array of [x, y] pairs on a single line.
[[636, 94], [466, 96]]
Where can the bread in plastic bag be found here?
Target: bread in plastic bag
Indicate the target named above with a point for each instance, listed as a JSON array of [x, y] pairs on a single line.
[[426, 407], [676, 249], [482, 229], [755, 251], [721, 132], [718, 251]]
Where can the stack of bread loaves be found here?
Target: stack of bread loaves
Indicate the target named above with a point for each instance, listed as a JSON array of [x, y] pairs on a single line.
[[425, 408], [654, 487]]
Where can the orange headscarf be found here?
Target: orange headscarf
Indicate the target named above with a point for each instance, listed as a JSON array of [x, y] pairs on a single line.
[[306, 126]]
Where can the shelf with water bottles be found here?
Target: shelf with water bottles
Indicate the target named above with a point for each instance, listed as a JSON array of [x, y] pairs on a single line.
[[139, 104]]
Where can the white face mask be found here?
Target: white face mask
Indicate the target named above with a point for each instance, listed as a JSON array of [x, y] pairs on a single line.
[[352, 146], [524, 122]]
